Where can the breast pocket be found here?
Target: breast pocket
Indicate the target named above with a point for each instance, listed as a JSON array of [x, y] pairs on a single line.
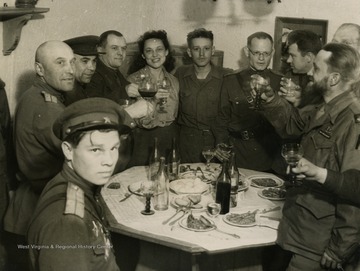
[[239, 106], [324, 147]]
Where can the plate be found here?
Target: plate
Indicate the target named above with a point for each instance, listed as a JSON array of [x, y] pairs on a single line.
[[231, 219], [183, 224], [188, 186], [197, 207], [192, 174], [245, 185], [272, 193], [265, 181]]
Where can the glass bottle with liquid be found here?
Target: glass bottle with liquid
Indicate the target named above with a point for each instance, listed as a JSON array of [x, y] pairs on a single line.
[[173, 162], [235, 177], [161, 195], [154, 161], [223, 188]]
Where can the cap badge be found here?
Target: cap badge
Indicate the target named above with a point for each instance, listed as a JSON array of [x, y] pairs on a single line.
[[107, 120]]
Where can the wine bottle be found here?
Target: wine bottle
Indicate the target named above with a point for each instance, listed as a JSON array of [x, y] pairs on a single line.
[[223, 187], [173, 161], [154, 161], [234, 176], [161, 195]]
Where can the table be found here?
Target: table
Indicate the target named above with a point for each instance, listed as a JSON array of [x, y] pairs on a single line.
[[125, 218]]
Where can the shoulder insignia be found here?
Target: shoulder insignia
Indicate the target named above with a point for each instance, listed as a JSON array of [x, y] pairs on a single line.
[[48, 97], [75, 202]]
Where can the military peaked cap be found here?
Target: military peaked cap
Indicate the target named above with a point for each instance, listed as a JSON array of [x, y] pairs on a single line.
[[90, 114], [84, 45]]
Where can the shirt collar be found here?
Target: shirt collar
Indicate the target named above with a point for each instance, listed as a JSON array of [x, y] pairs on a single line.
[[214, 72], [39, 83], [334, 107]]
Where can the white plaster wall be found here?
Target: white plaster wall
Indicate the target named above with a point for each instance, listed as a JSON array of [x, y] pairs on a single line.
[[230, 20]]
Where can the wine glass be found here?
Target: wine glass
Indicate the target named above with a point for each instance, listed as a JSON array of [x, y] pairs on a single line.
[[147, 88], [213, 209], [148, 190], [208, 153], [258, 84], [292, 153], [163, 88]]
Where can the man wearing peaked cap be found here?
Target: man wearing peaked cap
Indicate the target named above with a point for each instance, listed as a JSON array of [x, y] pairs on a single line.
[[68, 212], [90, 114], [86, 55]]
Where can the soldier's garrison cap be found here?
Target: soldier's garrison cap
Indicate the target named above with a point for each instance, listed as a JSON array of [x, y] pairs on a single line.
[[90, 114]]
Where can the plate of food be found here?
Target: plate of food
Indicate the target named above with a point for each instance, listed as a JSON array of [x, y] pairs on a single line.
[[272, 193], [192, 201], [188, 186], [200, 224], [265, 181], [194, 173], [241, 220]]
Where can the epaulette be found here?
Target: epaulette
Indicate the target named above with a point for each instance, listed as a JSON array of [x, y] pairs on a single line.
[[49, 98], [75, 201]]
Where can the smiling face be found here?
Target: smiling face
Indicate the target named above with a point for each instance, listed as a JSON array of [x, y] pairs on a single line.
[[201, 51], [114, 51], [95, 157], [154, 53], [84, 68], [55, 65], [259, 53]]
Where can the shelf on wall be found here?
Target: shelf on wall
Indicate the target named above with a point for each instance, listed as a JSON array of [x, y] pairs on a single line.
[[13, 21]]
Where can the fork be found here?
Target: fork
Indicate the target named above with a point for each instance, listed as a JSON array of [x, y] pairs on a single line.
[[185, 211], [177, 211]]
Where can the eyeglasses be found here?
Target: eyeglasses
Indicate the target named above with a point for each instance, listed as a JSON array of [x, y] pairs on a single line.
[[258, 54]]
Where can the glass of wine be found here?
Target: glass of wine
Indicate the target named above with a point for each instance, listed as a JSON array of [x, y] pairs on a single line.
[[147, 88], [148, 190], [163, 88], [292, 153], [208, 153], [213, 209], [258, 84]]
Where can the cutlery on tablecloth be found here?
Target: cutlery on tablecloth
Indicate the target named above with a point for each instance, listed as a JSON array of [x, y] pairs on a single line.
[[186, 211], [128, 195]]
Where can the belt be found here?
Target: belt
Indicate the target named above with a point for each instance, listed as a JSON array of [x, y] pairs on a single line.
[[196, 130], [243, 135]]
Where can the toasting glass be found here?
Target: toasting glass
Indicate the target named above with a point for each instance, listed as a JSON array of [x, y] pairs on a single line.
[[148, 190], [163, 88], [292, 153]]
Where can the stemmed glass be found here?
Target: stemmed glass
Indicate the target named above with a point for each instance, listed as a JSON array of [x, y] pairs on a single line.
[[258, 84], [208, 153], [147, 88], [148, 190], [292, 153], [164, 87]]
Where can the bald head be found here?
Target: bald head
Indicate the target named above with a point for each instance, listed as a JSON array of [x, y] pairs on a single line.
[[349, 34], [54, 61]]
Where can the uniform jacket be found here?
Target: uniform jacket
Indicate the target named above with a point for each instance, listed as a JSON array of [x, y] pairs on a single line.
[[68, 229], [314, 220], [38, 151], [236, 116], [199, 99], [107, 83], [77, 94]]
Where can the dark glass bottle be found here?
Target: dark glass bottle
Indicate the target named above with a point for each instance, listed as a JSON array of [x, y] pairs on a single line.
[[173, 161], [154, 161], [161, 195], [223, 188], [234, 176]]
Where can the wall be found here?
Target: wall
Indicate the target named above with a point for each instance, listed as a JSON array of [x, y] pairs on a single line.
[[230, 20]]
